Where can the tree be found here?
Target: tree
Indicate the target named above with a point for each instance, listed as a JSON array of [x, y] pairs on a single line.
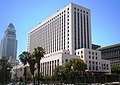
[[74, 68], [38, 53], [75, 65], [5, 68], [59, 72], [23, 59], [115, 69], [31, 61]]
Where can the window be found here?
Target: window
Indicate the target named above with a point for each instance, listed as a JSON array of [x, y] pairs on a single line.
[[81, 56], [89, 52], [74, 8], [96, 67], [89, 57], [89, 67], [96, 63], [66, 60], [81, 52], [78, 52], [92, 57], [68, 27], [93, 68]]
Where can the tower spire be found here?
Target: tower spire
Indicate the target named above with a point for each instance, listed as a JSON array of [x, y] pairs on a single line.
[[11, 26]]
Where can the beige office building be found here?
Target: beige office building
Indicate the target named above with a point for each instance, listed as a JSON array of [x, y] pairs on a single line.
[[63, 35]]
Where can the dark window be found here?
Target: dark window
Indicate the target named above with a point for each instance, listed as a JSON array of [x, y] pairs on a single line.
[[89, 57], [93, 68], [89, 67], [89, 62], [81, 52], [84, 32], [75, 29], [66, 60], [96, 58], [81, 32], [96, 63], [78, 31], [88, 32], [74, 8], [96, 67], [81, 56]]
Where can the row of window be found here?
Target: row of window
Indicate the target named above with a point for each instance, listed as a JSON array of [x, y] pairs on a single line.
[[77, 9], [97, 67], [81, 29], [50, 36], [111, 52]]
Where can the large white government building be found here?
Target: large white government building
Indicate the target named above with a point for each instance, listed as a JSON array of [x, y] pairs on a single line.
[[64, 35]]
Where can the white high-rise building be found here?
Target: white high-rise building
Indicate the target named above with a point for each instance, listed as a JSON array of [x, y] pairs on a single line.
[[66, 34], [9, 43]]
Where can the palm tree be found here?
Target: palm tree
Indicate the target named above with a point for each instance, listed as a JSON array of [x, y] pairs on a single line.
[[23, 59], [31, 61], [38, 53]]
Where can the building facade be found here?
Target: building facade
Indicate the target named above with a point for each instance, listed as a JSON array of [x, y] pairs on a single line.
[[111, 53], [62, 35], [68, 29], [8, 47]]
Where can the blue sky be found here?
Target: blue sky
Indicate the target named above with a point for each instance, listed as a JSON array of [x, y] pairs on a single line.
[[25, 14]]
